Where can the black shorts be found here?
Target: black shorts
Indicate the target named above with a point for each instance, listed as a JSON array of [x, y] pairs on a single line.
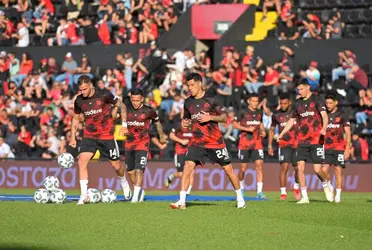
[[136, 159], [335, 157], [74, 151], [179, 161], [107, 148], [310, 153], [288, 155], [246, 156], [200, 155]]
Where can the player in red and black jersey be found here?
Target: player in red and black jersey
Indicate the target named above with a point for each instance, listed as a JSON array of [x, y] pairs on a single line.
[[337, 142], [137, 143], [310, 113], [287, 145], [250, 144], [181, 137], [95, 108], [203, 114]]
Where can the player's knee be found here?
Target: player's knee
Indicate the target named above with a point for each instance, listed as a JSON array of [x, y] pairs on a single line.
[[83, 162], [138, 172], [228, 169], [115, 165]]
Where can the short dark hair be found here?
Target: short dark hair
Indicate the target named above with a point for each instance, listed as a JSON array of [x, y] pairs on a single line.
[[303, 81], [137, 92], [84, 79], [253, 95], [284, 96], [331, 96], [194, 76]]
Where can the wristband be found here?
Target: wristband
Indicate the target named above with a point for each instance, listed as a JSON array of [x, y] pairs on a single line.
[[124, 124], [269, 146]]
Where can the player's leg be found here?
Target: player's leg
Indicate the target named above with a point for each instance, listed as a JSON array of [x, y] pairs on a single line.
[[257, 157], [110, 149], [179, 166], [129, 162], [296, 184], [302, 156], [244, 157], [317, 155], [139, 171], [191, 182], [283, 180], [339, 162]]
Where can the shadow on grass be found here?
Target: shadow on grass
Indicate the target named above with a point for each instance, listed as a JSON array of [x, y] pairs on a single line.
[[369, 200], [312, 201], [15, 247], [195, 204]]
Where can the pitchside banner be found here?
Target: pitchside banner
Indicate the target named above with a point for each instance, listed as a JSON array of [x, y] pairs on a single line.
[[30, 174]]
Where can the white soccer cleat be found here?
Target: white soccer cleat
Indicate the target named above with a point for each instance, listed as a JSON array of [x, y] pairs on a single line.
[[303, 201], [241, 204], [127, 193], [178, 205], [329, 194], [84, 199], [337, 199]]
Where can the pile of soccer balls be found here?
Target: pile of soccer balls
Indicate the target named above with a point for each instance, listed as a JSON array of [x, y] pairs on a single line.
[[51, 192], [106, 196]]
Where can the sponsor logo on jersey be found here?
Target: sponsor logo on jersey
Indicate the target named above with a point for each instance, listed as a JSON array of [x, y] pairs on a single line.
[[135, 123], [283, 124], [93, 112], [197, 116], [332, 125], [253, 122], [187, 134], [307, 113]]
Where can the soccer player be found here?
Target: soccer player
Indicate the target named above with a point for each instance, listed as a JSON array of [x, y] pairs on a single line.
[[310, 113], [138, 140], [250, 143], [287, 146], [95, 109], [337, 147], [181, 137], [203, 114]]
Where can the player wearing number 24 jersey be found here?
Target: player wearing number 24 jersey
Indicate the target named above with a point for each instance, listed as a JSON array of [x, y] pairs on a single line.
[[96, 109], [337, 142], [250, 144], [203, 114], [310, 113]]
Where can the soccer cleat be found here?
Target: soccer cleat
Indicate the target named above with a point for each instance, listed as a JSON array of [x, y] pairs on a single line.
[[261, 195], [142, 196], [168, 181], [283, 197], [297, 194], [178, 205], [241, 204], [84, 199], [337, 199], [127, 193], [329, 194], [303, 201]]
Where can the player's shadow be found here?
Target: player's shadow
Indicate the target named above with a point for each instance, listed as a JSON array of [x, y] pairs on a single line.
[[195, 204], [369, 200], [311, 201], [15, 247]]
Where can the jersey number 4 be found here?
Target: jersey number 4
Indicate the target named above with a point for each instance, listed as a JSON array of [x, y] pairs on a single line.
[[222, 153], [114, 153]]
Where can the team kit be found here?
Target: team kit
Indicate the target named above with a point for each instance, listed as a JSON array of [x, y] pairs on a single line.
[[312, 130]]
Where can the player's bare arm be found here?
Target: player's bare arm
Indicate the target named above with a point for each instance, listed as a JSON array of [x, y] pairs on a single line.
[[262, 130], [287, 127], [206, 117], [159, 129], [348, 142], [175, 138], [243, 128], [76, 119], [325, 122], [270, 150], [123, 115]]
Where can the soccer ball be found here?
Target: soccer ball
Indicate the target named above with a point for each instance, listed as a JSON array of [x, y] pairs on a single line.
[[51, 183], [94, 195], [58, 196], [41, 196], [65, 160], [108, 196]]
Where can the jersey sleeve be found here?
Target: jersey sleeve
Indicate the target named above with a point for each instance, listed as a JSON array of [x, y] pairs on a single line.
[[153, 115], [273, 121], [110, 98], [219, 109], [294, 113], [77, 106], [239, 117], [320, 105], [186, 112], [345, 121]]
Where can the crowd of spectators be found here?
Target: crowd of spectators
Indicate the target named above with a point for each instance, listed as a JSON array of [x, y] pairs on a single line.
[[36, 97]]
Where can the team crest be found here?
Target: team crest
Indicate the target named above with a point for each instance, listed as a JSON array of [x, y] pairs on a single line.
[[206, 105], [312, 105], [143, 116], [338, 119], [98, 102]]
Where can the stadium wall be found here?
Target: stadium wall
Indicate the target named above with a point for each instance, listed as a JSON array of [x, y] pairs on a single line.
[[325, 52], [30, 174]]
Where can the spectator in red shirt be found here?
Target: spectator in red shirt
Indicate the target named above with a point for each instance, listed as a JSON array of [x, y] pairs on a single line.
[[149, 33], [313, 26], [357, 79], [271, 84], [346, 60], [26, 67], [24, 142]]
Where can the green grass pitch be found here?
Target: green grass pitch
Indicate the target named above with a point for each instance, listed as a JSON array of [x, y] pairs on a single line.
[[270, 224]]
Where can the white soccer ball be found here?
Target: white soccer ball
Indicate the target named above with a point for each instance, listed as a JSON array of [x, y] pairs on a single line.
[[41, 196], [108, 196], [51, 183], [94, 195], [58, 196], [66, 160]]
